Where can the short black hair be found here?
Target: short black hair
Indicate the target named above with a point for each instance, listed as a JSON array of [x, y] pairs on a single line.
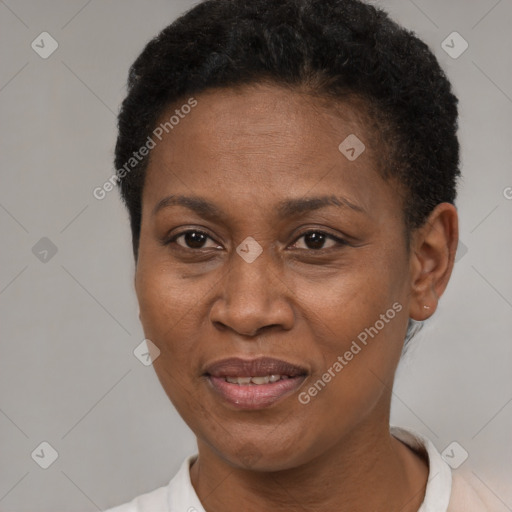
[[335, 49]]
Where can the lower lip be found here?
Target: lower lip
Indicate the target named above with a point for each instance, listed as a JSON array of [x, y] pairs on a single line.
[[255, 396]]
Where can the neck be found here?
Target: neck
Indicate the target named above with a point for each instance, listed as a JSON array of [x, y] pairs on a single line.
[[367, 470]]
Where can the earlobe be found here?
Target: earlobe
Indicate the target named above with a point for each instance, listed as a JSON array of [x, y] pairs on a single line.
[[433, 248]]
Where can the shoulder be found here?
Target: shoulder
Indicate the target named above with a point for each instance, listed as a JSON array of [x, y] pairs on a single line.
[[470, 494], [176, 495], [450, 490]]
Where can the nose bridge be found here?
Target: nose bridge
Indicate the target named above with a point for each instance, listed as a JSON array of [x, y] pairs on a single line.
[[250, 297], [248, 281]]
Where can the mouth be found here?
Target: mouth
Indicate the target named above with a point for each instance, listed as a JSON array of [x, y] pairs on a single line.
[[255, 383]]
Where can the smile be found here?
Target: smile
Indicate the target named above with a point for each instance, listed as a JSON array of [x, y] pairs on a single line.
[[254, 384]]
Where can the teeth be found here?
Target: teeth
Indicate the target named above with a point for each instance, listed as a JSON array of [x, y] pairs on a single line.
[[255, 380], [260, 380], [238, 380]]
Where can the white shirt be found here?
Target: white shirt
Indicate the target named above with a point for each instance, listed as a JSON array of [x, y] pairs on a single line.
[[443, 493]]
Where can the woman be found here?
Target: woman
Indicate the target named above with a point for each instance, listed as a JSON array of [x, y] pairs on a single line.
[[290, 173]]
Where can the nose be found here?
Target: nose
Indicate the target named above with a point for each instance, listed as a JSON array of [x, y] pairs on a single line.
[[252, 297]]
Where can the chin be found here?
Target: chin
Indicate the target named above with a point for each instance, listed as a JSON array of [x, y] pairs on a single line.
[[267, 456]]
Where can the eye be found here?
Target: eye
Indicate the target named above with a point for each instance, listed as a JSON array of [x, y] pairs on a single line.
[[315, 240], [192, 239]]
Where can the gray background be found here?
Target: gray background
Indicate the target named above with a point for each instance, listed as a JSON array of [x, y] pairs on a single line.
[[69, 321]]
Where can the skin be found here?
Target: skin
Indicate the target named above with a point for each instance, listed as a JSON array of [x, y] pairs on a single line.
[[246, 150]]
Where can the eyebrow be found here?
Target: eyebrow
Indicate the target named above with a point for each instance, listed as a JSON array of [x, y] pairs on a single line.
[[286, 208]]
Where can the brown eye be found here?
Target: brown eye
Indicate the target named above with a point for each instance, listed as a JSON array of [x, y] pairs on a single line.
[[315, 240], [192, 239]]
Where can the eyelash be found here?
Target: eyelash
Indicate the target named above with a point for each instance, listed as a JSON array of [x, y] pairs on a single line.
[[340, 241]]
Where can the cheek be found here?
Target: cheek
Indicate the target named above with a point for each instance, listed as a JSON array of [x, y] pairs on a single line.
[[160, 290], [168, 313], [356, 298], [359, 329], [168, 307]]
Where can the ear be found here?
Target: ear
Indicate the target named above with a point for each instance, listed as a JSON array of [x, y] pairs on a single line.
[[433, 248]]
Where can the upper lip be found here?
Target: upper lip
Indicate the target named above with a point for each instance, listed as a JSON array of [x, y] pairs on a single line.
[[259, 367]]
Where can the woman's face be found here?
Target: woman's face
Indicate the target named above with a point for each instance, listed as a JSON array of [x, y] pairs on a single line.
[[264, 169]]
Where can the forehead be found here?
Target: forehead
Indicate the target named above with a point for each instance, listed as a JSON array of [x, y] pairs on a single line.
[[265, 142], [264, 114]]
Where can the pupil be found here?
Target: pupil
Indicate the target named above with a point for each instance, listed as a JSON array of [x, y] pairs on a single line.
[[315, 240], [195, 239]]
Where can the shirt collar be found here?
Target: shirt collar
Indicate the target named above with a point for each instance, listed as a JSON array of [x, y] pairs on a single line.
[[439, 485]]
